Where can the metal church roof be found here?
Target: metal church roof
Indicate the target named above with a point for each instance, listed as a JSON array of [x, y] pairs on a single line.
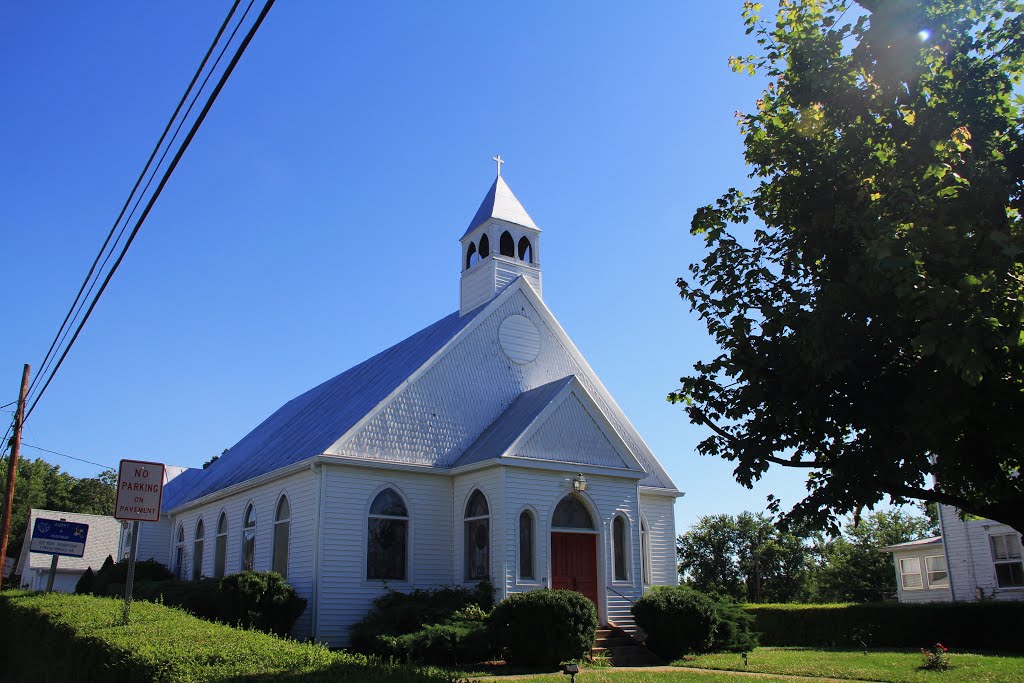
[[521, 413], [502, 204], [308, 424]]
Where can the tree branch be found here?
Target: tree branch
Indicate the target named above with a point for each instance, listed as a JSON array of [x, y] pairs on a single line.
[[734, 441]]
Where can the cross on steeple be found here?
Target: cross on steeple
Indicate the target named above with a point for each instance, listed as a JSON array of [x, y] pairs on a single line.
[[497, 158]]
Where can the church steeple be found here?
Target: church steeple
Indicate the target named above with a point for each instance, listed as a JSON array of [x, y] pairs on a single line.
[[501, 243]]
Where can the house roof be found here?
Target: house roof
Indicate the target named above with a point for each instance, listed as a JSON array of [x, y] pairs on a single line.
[[102, 540], [517, 418], [910, 545], [502, 204], [308, 424]]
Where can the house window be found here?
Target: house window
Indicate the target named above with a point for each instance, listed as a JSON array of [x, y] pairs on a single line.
[[387, 536], [571, 513], [1006, 557], [477, 535], [179, 555], [938, 577], [526, 564], [249, 538], [197, 551], [220, 546], [282, 522], [910, 573], [619, 547], [506, 245], [525, 250], [645, 551]]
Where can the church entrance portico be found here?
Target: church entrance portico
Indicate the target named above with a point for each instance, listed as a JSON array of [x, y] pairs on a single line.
[[574, 563]]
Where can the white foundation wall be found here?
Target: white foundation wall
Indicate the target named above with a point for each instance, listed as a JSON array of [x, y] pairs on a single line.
[[345, 594], [301, 490], [659, 511]]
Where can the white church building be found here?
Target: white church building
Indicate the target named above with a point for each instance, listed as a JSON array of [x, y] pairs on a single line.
[[481, 447]]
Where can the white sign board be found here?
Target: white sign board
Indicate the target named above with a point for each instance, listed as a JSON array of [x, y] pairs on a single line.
[[140, 488]]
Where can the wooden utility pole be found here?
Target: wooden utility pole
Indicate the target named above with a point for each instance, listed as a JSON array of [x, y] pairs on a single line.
[[12, 468]]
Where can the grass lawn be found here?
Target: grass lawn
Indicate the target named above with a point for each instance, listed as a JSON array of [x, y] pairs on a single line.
[[893, 666], [609, 675]]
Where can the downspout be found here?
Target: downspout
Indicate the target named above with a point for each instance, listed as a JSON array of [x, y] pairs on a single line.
[[319, 469], [945, 552]]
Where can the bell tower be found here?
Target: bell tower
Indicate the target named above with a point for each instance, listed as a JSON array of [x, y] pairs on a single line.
[[501, 243]]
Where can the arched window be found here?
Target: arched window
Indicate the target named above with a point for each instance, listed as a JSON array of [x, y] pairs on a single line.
[[645, 551], [179, 554], [387, 536], [282, 522], [507, 245], [249, 538], [477, 537], [197, 551], [526, 535], [485, 246], [619, 534], [525, 250], [471, 256], [220, 546], [571, 513]]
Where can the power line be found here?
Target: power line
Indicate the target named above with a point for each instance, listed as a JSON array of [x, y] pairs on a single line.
[[163, 181], [76, 305], [65, 455]]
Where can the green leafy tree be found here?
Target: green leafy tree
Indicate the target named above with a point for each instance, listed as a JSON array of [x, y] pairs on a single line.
[[852, 568], [867, 293], [743, 557]]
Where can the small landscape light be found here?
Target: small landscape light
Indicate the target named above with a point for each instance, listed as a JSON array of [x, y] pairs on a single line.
[[571, 670]]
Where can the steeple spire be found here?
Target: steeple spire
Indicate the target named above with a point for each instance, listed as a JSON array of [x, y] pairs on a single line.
[[501, 243]]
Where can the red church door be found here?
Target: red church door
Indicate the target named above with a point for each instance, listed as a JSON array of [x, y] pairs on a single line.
[[574, 563]]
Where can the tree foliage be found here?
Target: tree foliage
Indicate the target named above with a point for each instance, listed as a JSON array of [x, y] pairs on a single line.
[[42, 485], [743, 557], [852, 568], [868, 293]]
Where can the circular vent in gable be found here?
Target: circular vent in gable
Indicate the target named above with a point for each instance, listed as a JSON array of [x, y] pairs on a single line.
[[519, 339]]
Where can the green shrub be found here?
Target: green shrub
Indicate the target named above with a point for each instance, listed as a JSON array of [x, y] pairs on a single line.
[[83, 638], [677, 620], [454, 642], [260, 600], [85, 582], [112, 576], [397, 614], [544, 627], [960, 626], [735, 632]]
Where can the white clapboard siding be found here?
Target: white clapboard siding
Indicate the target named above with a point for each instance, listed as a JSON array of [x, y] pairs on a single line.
[[154, 539], [969, 557], [301, 490], [661, 528], [345, 593], [477, 286]]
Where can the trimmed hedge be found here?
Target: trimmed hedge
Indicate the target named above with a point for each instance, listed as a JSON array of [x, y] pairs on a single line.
[[677, 620], [959, 626], [544, 627], [56, 637]]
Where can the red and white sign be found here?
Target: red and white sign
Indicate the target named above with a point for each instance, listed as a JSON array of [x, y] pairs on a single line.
[[140, 488]]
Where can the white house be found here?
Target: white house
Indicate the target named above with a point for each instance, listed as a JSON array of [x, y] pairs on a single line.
[[973, 559], [101, 541], [481, 447]]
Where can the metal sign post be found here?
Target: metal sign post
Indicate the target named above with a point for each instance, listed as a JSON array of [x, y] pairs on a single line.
[[140, 489]]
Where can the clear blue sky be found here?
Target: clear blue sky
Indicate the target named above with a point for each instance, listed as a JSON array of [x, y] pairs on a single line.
[[314, 220]]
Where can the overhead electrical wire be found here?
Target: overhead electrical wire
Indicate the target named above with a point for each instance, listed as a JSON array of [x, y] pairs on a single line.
[[61, 342], [79, 301], [65, 455]]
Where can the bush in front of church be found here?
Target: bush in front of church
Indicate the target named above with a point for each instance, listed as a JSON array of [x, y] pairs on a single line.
[[544, 627], [679, 620], [436, 626], [260, 600], [112, 576]]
